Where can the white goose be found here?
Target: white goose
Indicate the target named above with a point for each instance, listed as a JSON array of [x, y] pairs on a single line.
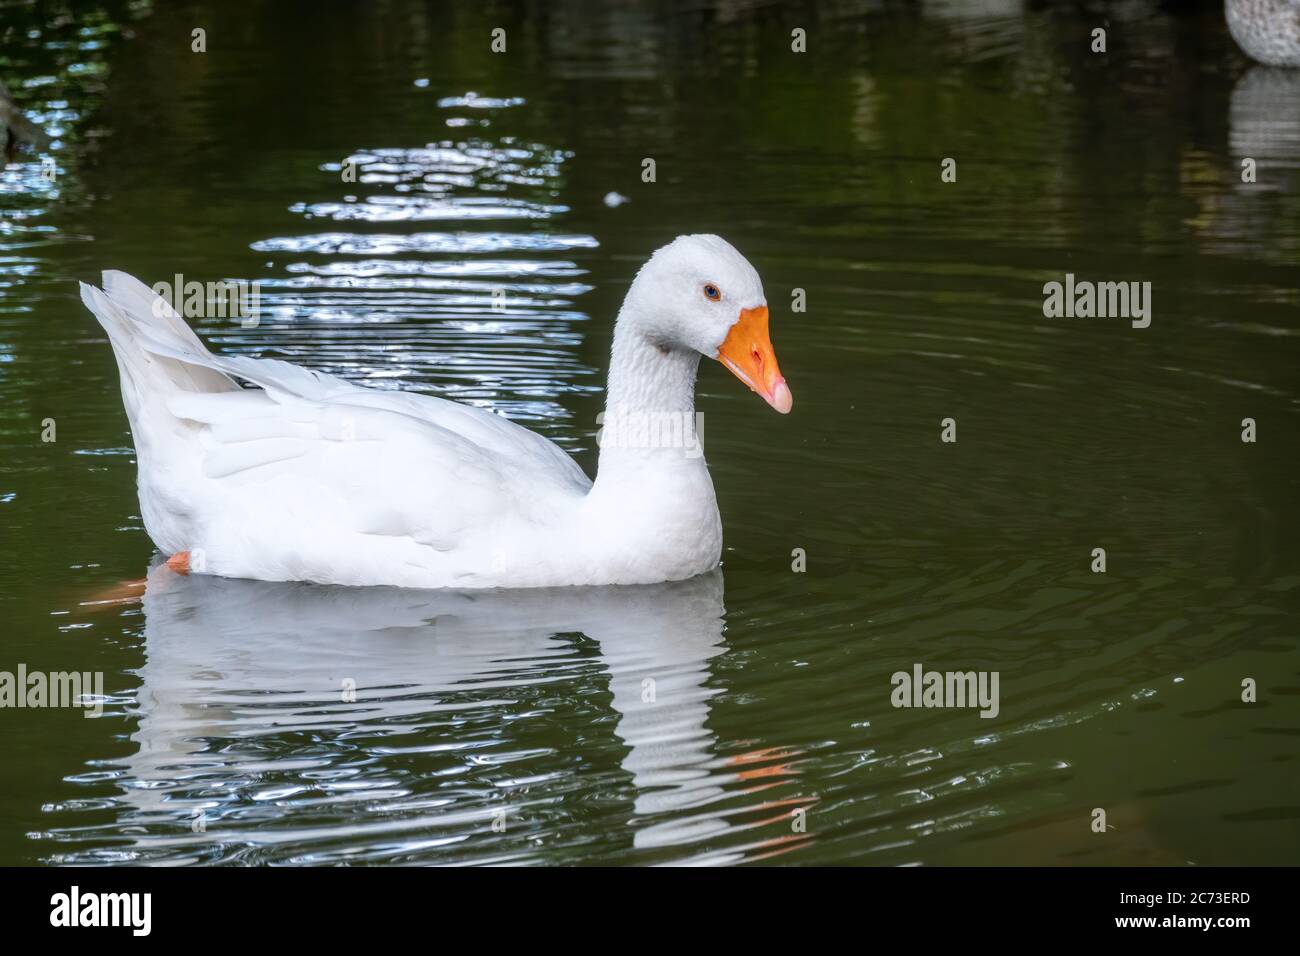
[[310, 478], [1267, 30]]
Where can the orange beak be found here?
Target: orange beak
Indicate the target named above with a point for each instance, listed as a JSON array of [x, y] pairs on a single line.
[[747, 351]]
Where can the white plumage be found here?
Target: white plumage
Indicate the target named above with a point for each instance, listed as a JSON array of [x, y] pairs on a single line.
[[1267, 30], [310, 478]]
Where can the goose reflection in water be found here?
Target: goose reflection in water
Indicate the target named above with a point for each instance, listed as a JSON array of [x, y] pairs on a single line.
[[263, 705], [1264, 123]]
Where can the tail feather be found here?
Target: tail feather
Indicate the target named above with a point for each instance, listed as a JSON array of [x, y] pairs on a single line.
[[139, 301], [154, 346], [154, 328], [158, 355]]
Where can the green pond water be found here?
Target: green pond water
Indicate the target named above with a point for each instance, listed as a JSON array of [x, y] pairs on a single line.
[[517, 727]]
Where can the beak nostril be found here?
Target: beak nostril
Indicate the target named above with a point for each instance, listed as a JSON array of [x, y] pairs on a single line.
[[758, 356]]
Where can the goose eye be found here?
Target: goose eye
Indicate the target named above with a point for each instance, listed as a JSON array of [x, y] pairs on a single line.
[[711, 292]]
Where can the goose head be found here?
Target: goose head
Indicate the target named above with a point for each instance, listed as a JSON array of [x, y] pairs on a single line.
[[698, 293]]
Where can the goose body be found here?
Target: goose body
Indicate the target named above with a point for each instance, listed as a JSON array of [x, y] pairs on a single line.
[[1267, 30], [306, 477]]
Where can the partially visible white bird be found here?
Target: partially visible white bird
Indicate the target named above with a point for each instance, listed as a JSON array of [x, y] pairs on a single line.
[[1267, 30], [307, 477]]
